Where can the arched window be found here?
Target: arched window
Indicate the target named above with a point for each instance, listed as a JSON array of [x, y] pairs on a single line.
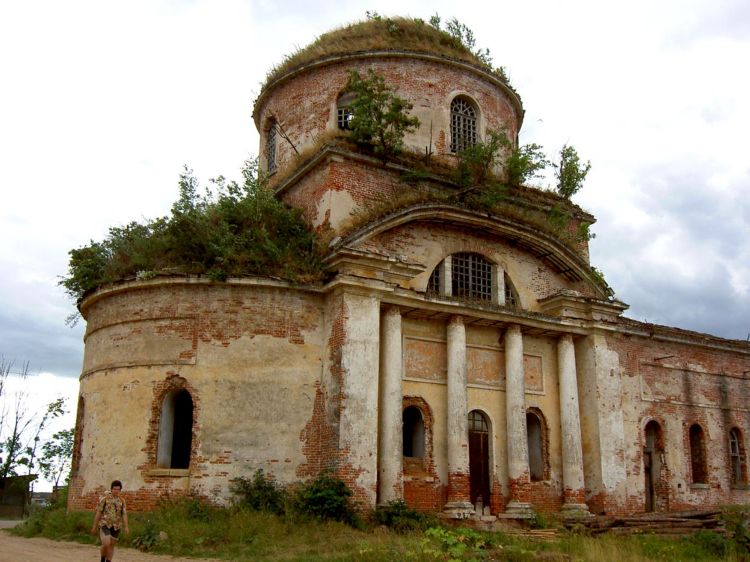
[[652, 464], [471, 277], [271, 136], [535, 435], [463, 124], [433, 283], [343, 110], [698, 454], [511, 296], [413, 429], [175, 430], [738, 470]]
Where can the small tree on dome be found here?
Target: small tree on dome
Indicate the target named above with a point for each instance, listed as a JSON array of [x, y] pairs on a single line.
[[380, 118], [570, 172]]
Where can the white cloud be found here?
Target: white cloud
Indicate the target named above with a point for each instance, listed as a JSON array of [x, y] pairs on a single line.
[[103, 102]]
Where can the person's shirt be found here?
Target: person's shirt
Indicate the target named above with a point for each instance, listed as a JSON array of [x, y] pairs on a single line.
[[112, 509]]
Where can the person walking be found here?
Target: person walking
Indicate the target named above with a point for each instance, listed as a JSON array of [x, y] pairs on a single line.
[[111, 516]]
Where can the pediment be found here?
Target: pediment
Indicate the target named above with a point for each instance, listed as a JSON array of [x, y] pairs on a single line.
[[555, 255]]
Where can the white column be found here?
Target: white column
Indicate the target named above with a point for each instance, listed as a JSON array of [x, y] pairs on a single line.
[[518, 448], [498, 289], [572, 452], [446, 277], [390, 445], [459, 504], [358, 422]]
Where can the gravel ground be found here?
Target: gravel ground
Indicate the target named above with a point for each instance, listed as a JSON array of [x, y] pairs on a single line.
[[17, 549]]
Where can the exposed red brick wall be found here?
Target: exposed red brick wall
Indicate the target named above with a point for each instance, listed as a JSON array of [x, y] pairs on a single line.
[[423, 489], [678, 385], [303, 106]]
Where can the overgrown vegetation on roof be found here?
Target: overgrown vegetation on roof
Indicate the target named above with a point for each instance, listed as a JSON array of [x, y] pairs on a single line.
[[379, 117], [451, 39], [230, 230]]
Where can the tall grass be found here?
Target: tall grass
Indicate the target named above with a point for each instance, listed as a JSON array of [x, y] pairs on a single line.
[[190, 528]]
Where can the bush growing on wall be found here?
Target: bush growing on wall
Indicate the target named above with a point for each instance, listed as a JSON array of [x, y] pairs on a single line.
[[326, 497], [232, 230], [380, 118], [260, 493]]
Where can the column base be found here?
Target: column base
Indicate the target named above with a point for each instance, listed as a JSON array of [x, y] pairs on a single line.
[[519, 510], [457, 510], [575, 511]]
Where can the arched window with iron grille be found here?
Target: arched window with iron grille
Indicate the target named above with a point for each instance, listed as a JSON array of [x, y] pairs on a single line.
[[463, 124]]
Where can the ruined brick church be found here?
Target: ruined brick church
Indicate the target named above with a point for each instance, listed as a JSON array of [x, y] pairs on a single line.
[[472, 363]]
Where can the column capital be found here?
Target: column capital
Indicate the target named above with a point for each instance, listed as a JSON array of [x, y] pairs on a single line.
[[513, 328], [392, 310], [565, 338], [456, 319]]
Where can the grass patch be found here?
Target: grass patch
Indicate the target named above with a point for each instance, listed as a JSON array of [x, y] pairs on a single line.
[[380, 33], [191, 528]]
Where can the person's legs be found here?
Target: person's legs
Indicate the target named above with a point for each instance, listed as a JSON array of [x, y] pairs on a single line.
[[114, 535], [106, 539]]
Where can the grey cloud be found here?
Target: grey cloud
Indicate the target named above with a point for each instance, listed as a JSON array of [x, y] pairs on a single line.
[[708, 230]]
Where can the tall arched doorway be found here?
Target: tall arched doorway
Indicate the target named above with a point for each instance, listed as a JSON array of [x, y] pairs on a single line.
[[652, 462], [479, 457]]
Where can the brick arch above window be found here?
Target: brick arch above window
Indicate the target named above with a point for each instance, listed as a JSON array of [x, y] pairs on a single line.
[[168, 391], [425, 463]]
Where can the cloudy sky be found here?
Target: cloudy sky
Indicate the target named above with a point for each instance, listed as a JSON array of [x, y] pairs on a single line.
[[102, 102]]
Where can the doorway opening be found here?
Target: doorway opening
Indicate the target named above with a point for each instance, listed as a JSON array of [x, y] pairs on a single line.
[[479, 459]]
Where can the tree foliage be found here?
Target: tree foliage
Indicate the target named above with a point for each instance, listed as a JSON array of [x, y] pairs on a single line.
[[21, 429], [379, 117], [476, 162], [525, 163], [57, 454], [231, 229], [571, 172], [463, 35]]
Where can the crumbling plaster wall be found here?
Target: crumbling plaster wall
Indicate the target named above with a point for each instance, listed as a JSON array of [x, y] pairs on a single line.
[[679, 385], [250, 355], [429, 243]]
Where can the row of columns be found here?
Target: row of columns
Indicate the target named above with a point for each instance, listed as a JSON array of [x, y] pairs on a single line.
[[459, 504]]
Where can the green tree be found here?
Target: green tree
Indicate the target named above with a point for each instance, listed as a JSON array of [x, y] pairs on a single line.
[[380, 118], [228, 229], [571, 172], [476, 162], [20, 428], [57, 454], [525, 163]]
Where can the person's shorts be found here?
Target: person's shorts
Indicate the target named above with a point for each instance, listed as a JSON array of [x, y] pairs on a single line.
[[110, 532]]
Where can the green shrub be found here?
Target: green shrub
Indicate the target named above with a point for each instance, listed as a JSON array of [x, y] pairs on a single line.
[[457, 543], [326, 498], [379, 118], [147, 538], [232, 230], [737, 522], [710, 542], [399, 517], [260, 493]]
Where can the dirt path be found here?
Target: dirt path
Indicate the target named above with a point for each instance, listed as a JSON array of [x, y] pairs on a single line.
[[17, 549]]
